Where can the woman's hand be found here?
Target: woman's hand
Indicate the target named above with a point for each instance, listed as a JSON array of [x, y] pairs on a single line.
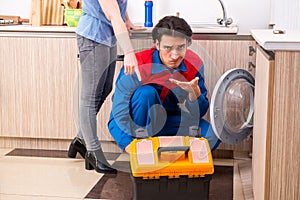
[[131, 27], [131, 64], [191, 87]]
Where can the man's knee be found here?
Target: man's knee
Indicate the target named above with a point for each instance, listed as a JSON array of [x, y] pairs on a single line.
[[145, 93]]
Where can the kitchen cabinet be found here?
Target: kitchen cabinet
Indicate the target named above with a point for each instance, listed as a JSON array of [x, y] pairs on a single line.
[[276, 134], [38, 79], [262, 123]]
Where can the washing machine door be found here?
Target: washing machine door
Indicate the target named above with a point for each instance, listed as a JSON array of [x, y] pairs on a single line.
[[231, 108]]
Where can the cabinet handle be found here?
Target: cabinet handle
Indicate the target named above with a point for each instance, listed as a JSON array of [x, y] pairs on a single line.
[[252, 51], [251, 66]]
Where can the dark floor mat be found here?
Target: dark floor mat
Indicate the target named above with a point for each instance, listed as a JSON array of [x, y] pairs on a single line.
[[221, 185], [119, 187], [52, 153], [116, 187]]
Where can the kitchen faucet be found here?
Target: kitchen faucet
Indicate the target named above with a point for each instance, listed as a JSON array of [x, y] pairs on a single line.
[[224, 21]]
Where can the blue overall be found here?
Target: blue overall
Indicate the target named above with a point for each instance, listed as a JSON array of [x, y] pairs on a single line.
[[155, 106]]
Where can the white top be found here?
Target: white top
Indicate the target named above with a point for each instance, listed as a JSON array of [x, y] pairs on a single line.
[[289, 40], [196, 28], [209, 28], [37, 28], [37, 31]]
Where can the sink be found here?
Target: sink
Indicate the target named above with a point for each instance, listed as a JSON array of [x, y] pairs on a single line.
[[201, 28], [213, 28], [208, 26]]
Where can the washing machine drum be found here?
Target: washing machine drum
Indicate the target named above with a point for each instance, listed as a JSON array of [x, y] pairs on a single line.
[[231, 108]]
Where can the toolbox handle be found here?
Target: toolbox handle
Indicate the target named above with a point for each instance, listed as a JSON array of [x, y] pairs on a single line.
[[173, 148]]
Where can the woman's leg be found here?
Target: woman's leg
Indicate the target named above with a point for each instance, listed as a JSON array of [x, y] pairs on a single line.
[[97, 70], [95, 86]]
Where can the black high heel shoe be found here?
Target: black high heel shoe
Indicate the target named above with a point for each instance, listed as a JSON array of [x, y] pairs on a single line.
[[91, 162], [77, 146]]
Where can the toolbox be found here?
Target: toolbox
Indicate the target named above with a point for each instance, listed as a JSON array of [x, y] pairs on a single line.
[[171, 167]]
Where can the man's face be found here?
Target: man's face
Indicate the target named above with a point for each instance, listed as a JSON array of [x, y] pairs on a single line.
[[171, 50]]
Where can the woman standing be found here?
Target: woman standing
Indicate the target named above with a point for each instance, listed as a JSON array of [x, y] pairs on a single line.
[[103, 23]]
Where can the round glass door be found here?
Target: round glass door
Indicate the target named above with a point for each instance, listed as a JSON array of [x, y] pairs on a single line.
[[231, 108]]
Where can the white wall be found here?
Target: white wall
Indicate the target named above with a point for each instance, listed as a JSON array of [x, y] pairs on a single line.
[[285, 14], [15, 7], [248, 14]]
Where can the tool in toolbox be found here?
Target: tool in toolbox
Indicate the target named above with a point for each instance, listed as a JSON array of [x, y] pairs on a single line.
[[174, 167]]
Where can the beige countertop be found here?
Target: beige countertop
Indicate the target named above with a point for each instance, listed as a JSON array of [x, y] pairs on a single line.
[[37, 31], [201, 32], [29, 28], [197, 28], [206, 28], [289, 40]]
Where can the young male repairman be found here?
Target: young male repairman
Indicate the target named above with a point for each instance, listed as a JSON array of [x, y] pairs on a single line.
[[171, 97]]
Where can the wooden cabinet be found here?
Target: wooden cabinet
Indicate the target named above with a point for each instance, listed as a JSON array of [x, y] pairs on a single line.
[[262, 123], [276, 135], [38, 78]]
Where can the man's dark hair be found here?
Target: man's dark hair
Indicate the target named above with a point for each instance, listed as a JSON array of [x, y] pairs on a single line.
[[172, 26]]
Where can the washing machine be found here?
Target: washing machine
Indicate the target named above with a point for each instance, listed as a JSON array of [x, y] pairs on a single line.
[[232, 106]]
